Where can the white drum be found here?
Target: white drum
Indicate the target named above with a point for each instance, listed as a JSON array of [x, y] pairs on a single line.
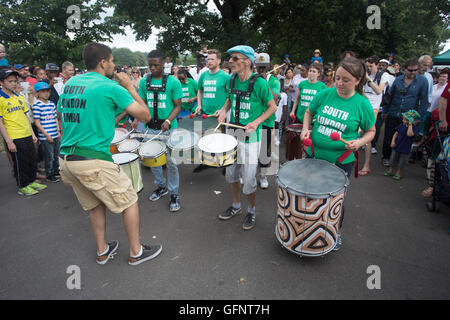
[[153, 153], [218, 150], [129, 145], [120, 134], [129, 163], [181, 144]]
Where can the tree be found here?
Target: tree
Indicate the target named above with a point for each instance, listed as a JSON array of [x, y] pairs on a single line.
[[408, 27], [124, 56], [37, 32]]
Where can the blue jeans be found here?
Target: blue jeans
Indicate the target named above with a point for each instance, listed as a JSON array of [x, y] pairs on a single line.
[[173, 178], [50, 152]]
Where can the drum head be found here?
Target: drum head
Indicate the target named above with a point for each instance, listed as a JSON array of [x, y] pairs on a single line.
[[128, 145], [123, 158], [217, 143], [181, 139], [152, 149], [119, 135], [311, 177]]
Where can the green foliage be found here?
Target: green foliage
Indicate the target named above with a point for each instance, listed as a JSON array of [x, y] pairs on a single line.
[[124, 56], [408, 27], [36, 32]]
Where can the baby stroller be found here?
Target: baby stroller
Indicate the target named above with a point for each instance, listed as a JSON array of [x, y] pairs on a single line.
[[441, 191]]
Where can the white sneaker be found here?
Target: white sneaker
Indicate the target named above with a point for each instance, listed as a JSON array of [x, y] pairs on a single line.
[[374, 151], [264, 183]]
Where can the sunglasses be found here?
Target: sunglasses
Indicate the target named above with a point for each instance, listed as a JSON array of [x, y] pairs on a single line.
[[181, 79], [412, 70], [236, 58], [137, 72]]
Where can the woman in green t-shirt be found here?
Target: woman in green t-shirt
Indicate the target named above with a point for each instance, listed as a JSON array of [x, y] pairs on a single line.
[[307, 90], [190, 88], [342, 109]]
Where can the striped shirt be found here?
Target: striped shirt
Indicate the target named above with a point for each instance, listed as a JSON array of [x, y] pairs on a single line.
[[46, 114]]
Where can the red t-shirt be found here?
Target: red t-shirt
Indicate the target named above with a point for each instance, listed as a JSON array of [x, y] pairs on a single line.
[[446, 95]]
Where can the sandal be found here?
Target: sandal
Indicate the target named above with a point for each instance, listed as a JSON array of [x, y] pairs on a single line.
[[427, 193], [396, 177], [363, 172]]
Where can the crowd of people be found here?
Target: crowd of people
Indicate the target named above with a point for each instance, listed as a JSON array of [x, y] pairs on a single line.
[[46, 141]]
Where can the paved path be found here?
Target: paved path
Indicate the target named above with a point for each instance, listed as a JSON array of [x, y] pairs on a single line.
[[386, 225]]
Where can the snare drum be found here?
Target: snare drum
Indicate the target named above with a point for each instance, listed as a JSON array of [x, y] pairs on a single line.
[[294, 145], [129, 145], [153, 153], [129, 163], [120, 134], [181, 144], [310, 202], [217, 150]]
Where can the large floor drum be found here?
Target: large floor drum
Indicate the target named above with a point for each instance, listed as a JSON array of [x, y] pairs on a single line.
[[310, 202]]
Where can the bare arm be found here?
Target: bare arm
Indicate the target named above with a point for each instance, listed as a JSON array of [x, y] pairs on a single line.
[[442, 114]]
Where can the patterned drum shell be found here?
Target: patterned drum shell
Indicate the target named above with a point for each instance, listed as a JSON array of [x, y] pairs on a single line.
[[310, 200]]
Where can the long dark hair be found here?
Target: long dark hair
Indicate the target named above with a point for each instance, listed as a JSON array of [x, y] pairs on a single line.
[[357, 69]]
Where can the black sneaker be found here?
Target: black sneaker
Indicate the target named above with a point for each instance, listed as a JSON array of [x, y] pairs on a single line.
[[249, 222], [53, 179], [158, 193], [112, 250], [229, 213], [148, 253], [174, 203]]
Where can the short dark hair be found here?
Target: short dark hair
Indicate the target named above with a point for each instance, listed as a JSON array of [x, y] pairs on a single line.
[[95, 52], [155, 54], [411, 62], [216, 52], [373, 59]]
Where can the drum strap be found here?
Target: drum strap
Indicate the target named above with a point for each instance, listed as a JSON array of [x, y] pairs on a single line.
[[346, 154], [155, 122], [241, 94]]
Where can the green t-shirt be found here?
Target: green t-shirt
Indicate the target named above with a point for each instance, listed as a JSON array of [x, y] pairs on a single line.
[[335, 114], [88, 106], [165, 99], [307, 93], [253, 107], [215, 90], [275, 85], [190, 89]]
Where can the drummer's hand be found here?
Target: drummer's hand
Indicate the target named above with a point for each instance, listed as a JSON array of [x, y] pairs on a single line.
[[221, 115], [305, 135], [165, 126], [123, 79], [198, 110], [252, 126], [443, 126], [134, 124], [353, 145]]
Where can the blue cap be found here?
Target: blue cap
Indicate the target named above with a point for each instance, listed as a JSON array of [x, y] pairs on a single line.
[[40, 86], [18, 66], [245, 50]]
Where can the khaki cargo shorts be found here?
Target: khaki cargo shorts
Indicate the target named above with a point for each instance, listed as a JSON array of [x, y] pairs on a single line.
[[97, 181]]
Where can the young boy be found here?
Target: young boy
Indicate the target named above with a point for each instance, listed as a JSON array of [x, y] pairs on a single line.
[[45, 119], [401, 143], [18, 135]]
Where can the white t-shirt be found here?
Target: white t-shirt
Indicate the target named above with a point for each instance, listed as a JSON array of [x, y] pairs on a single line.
[[437, 92], [375, 99], [430, 85], [281, 104], [168, 67]]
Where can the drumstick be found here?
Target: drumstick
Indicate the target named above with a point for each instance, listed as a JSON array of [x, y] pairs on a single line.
[[192, 115], [277, 68], [204, 116], [232, 125], [336, 136], [220, 123], [154, 137]]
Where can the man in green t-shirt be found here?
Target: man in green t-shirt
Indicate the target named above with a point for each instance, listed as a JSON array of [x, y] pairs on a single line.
[[165, 93], [212, 85], [88, 107], [262, 62], [250, 107], [212, 89]]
